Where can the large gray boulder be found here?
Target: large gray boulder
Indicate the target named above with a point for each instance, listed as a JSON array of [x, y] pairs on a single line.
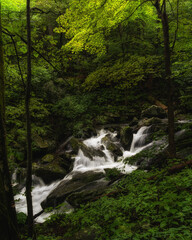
[[89, 192], [153, 111], [85, 183]]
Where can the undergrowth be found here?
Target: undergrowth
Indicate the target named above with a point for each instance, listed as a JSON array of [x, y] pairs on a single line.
[[142, 206]]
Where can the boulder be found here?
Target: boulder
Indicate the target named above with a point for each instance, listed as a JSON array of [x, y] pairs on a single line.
[[91, 152], [42, 146], [126, 136], [49, 173], [76, 144], [113, 147], [48, 158], [87, 193], [156, 155], [183, 141], [152, 156], [149, 121], [78, 182], [51, 168], [153, 111]]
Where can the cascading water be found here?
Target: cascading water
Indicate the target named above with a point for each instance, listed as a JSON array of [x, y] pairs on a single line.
[[97, 163], [84, 163], [138, 142]]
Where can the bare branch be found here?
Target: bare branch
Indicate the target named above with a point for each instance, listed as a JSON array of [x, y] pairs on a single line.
[[18, 62]]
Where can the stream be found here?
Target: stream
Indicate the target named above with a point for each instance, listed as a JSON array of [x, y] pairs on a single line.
[[82, 164]]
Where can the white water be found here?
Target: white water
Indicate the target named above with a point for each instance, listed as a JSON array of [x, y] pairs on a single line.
[[82, 163], [138, 142]]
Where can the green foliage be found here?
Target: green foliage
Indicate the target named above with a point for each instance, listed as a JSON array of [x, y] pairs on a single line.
[[112, 174], [124, 74], [137, 208], [21, 218]]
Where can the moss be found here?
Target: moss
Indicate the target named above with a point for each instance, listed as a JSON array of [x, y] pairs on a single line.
[[47, 158], [126, 136]]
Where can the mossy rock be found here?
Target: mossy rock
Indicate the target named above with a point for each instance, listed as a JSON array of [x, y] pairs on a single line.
[[149, 121], [153, 111], [126, 136], [75, 144], [183, 139], [111, 146], [153, 156], [48, 158], [49, 172]]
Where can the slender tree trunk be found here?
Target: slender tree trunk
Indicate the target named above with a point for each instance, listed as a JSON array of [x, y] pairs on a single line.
[[6, 192], [167, 53], [28, 123]]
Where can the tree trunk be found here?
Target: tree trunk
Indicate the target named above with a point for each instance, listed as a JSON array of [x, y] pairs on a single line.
[[167, 54], [28, 123], [7, 204]]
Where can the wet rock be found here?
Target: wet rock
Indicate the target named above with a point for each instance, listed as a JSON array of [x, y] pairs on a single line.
[[78, 183], [91, 152], [113, 147], [156, 155], [152, 156], [76, 144], [52, 168], [150, 121], [47, 158], [154, 111], [126, 136], [87, 193], [183, 140], [42, 146], [49, 173]]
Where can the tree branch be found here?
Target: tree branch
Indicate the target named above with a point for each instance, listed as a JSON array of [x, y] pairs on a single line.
[[18, 62], [41, 11], [6, 31], [136, 10]]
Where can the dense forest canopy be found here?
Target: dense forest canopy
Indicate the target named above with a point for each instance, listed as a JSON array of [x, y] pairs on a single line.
[[96, 63]]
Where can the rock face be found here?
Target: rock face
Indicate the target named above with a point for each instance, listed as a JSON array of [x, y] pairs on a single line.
[[153, 111], [82, 187]]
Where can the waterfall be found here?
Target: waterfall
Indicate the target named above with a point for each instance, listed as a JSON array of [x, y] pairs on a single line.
[[138, 143], [83, 163]]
